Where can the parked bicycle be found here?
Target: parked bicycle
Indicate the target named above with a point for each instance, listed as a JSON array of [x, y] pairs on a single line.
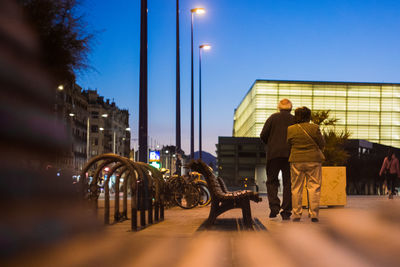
[[188, 191], [201, 184]]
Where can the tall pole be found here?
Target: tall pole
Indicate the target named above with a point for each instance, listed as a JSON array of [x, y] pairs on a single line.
[[204, 46], [193, 11], [200, 136], [178, 94], [143, 84], [88, 138], [192, 98], [114, 137]]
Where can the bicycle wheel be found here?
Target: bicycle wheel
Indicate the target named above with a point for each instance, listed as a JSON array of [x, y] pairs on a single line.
[[187, 197], [205, 197]]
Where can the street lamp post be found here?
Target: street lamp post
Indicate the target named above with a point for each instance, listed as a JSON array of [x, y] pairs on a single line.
[[71, 114], [178, 92], [205, 47], [88, 138], [178, 86], [193, 11], [143, 105], [113, 138], [110, 130]]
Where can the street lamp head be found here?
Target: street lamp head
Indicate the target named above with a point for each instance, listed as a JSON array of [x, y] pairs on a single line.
[[105, 115], [128, 129], [60, 87], [71, 114], [198, 10], [205, 46], [101, 129]]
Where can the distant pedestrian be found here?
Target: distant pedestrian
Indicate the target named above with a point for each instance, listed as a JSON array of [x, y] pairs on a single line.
[[306, 144], [390, 169], [273, 135]]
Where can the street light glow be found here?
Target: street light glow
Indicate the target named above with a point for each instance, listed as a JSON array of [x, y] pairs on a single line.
[[105, 115], [101, 129], [71, 114], [60, 87], [198, 10], [128, 129], [205, 46]]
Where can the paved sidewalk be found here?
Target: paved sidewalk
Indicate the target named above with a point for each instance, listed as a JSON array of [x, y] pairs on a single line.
[[364, 233], [186, 222]]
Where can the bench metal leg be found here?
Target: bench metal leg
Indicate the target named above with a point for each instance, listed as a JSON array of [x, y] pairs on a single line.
[[246, 211], [213, 214]]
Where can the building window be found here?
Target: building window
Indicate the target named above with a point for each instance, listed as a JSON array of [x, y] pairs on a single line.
[[95, 129], [95, 114]]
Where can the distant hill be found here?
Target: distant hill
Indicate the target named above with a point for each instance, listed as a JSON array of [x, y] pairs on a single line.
[[207, 158]]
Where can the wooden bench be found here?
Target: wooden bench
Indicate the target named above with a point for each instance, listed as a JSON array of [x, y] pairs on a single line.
[[222, 199]]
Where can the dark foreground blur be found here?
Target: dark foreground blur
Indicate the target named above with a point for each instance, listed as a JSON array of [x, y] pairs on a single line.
[[364, 233], [38, 208]]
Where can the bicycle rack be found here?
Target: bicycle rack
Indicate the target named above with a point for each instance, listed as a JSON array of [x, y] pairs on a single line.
[[144, 182]]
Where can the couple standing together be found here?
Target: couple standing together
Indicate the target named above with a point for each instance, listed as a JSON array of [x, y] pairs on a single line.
[[294, 146]]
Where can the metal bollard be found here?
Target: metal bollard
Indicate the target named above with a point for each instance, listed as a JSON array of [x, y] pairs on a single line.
[[156, 212], [162, 211], [134, 219], [134, 205], [116, 205], [150, 210], [125, 199], [106, 204], [142, 205]]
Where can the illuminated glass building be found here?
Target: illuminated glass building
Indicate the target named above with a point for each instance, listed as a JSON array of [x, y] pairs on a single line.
[[370, 111]]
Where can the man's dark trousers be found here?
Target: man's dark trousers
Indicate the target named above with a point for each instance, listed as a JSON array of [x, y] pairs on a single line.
[[273, 167]]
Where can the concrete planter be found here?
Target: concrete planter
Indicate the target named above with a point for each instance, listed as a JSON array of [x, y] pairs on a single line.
[[333, 187]]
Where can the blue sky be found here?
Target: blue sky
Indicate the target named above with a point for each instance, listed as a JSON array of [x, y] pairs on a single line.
[[260, 39]]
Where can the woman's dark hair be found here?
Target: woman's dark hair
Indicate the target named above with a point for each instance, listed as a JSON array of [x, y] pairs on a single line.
[[302, 114], [390, 153]]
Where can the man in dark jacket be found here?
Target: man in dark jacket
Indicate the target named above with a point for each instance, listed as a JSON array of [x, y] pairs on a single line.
[[273, 135]]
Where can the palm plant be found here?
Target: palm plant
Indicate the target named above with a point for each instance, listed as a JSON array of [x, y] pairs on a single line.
[[334, 152]]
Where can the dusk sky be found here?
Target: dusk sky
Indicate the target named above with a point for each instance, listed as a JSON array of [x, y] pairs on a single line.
[[321, 40]]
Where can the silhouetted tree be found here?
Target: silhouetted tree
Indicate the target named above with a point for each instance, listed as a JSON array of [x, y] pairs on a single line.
[[64, 40], [334, 152]]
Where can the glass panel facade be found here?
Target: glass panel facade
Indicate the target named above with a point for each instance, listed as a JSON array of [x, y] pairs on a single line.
[[370, 111]]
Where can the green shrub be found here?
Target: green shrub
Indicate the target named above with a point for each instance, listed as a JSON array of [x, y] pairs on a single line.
[[335, 140]]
